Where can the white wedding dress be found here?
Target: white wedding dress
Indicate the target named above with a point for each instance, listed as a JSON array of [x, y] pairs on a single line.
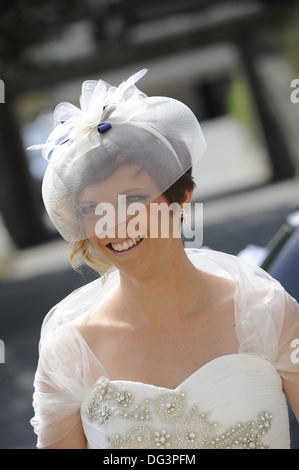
[[234, 401]]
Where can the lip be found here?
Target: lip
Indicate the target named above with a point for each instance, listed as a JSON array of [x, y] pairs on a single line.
[[120, 240], [124, 252]]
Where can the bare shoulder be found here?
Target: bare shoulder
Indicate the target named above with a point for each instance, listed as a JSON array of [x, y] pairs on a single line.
[[94, 327], [218, 291], [218, 313]]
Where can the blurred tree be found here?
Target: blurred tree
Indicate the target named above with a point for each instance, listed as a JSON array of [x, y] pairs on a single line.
[[253, 49], [27, 22], [20, 205], [24, 24], [289, 36]]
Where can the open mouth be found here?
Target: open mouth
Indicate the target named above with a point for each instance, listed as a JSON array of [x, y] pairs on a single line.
[[125, 246]]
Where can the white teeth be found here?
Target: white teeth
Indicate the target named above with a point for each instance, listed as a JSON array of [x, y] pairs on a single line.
[[125, 245]]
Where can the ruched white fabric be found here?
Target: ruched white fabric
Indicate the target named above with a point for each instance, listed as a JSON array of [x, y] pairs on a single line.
[[234, 401]]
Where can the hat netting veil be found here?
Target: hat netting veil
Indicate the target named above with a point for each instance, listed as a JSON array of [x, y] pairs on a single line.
[[116, 127]]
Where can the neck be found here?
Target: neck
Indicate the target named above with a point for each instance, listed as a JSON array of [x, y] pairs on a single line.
[[162, 294]]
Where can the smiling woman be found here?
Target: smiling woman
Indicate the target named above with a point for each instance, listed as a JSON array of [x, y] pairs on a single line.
[[132, 159], [129, 210], [103, 216], [177, 348]]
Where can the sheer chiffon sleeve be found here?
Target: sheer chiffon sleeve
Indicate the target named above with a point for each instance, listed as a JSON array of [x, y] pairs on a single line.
[[67, 368], [61, 381], [267, 321], [287, 361], [267, 317]]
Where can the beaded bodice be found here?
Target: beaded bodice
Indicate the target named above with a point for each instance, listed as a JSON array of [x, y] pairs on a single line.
[[225, 404]]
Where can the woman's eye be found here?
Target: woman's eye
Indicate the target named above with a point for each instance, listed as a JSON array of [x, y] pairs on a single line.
[[87, 210], [135, 198], [90, 210]]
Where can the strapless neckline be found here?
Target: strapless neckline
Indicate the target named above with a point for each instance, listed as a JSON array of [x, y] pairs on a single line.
[[228, 396], [225, 358]]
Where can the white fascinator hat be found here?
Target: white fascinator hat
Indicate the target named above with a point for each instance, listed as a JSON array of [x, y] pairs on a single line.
[[114, 128]]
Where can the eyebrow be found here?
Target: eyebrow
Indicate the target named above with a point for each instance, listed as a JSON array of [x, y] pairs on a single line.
[[81, 203], [131, 190]]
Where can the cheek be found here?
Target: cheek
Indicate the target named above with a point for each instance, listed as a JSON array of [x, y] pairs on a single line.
[[163, 219], [94, 241], [98, 244]]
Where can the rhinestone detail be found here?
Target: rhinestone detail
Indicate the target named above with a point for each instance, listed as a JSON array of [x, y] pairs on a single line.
[[180, 426]]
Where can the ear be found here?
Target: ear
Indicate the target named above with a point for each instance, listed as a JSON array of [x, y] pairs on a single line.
[[188, 196]]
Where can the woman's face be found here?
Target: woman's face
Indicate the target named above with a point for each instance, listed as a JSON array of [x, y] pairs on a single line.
[[135, 227]]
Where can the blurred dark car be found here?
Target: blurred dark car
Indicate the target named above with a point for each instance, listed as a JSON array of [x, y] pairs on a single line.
[[282, 263]]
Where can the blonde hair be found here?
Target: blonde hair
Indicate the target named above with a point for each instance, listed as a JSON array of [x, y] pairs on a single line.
[[82, 252]]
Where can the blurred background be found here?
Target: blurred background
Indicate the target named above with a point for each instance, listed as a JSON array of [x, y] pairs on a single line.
[[235, 64]]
